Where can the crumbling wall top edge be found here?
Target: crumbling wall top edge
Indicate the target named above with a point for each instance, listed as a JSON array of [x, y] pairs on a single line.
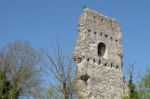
[[88, 10]]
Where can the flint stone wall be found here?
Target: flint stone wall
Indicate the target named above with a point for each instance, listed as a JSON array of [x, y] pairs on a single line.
[[104, 76]]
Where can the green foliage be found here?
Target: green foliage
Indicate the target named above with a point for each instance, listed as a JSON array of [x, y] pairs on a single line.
[[4, 85], [133, 94], [5, 90], [62, 70], [144, 86], [51, 93], [125, 97], [18, 71], [132, 88]]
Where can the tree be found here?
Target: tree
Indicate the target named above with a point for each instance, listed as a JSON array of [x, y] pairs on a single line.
[[133, 94], [132, 90], [62, 70], [51, 93], [19, 73], [144, 85]]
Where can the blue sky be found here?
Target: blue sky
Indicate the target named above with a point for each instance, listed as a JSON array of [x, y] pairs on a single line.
[[41, 22]]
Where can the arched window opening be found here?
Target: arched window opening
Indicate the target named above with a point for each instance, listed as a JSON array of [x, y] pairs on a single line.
[[101, 49]]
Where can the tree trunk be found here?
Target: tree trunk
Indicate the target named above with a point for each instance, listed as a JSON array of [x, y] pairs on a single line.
[[65, 91]]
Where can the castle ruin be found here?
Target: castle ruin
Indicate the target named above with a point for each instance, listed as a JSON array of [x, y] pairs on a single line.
[[98, 55]]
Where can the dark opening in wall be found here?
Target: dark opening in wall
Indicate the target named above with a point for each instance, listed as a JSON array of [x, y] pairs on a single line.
[[117, 66], [94, 17], [94, 32], [105, 64], [102, 19], [111, 38], [120, 55], [89, 30], [94, 60], [88, 59], [90, 93], [116, 40], [101, 34], [84, 78], [111, 65], [106, 35], [101, 49], [99, 62]]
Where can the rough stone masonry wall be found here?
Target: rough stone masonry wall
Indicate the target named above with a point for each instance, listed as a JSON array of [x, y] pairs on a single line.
[[100, 77]]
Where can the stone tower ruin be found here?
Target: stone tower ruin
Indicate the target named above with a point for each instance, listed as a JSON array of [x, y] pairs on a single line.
[[98, 55]]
